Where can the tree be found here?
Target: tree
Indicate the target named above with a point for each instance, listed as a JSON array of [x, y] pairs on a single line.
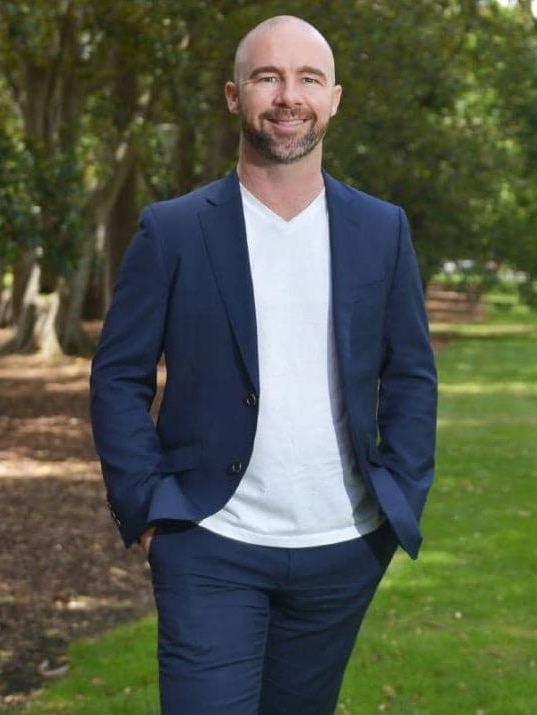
[[17, 209], [419, 123], [106, 106], [54, 66], [515, 84]]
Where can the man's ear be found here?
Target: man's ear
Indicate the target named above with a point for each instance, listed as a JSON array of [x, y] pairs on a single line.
[[336, 99], [232, 97]]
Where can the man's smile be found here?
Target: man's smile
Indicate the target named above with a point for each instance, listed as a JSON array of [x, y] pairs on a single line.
[[287, 124]]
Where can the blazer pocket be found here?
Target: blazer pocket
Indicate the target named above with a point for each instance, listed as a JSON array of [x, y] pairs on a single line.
[[180, 459]]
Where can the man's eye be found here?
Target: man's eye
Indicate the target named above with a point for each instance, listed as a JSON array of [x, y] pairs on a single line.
[[310, 80], [268, 78]]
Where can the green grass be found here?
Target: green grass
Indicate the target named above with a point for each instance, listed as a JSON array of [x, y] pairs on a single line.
[[452, 634], [456, 632], [113, 675], [486, 331]]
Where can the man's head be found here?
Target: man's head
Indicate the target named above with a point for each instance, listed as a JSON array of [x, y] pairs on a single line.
[[284, 89]]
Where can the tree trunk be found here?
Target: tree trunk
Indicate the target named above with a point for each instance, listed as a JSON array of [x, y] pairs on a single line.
[[5, 300], [22, 272], [120, 229], [95, 303], [46, 329], [73, 339], [123, 214], [25, 337], [36, 325], [26, 280], [98, 210]]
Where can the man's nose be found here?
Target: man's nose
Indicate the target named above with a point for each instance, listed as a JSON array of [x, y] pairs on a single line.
[[289, 93]]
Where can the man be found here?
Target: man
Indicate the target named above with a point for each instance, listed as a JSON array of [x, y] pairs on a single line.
[[294, 445]]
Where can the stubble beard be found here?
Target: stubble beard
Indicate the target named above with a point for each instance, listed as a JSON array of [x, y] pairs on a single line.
[[284, 150]]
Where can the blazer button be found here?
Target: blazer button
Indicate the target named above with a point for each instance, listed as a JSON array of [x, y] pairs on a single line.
[[235, 468], [251, 400]]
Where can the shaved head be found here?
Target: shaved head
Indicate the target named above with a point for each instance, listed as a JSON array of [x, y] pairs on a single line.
[[283, 91], [272, 25]]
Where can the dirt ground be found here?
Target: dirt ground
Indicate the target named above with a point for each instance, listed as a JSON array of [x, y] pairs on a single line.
[[64, 572]]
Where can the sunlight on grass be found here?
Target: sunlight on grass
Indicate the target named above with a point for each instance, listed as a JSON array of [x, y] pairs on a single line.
[[476, 388], [485, 330], [486, 421]]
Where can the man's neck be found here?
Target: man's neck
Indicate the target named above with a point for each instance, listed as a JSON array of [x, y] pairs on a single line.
[[287, 189]]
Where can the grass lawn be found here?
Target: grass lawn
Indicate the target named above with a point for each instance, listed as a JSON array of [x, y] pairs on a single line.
[[454, 633]]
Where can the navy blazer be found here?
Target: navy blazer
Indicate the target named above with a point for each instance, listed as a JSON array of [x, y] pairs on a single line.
[[185, 291]]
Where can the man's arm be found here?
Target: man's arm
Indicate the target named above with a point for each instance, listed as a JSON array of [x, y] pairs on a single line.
[[123, 382], [408, 382]]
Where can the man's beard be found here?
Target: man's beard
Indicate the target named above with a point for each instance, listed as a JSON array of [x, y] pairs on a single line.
[[283, 150]]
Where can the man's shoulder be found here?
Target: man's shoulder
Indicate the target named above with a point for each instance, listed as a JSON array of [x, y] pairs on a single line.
[[359, 199], [191, 202]]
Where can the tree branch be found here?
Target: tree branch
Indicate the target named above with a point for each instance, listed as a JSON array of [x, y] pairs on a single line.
[[527, 9], [102, 197], [67, 26]]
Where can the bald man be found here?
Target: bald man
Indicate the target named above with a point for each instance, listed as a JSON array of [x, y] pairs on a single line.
[[294, 447]]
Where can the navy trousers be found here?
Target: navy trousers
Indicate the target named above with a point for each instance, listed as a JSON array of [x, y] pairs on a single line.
[[255, 630]]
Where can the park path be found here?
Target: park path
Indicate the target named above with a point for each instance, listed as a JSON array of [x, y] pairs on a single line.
[[64, 572]]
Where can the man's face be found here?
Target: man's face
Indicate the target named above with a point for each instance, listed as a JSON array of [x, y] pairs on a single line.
[[285, 93]]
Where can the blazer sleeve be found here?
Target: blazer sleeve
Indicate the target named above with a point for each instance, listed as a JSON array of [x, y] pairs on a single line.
[[408, 381], [123, 382]]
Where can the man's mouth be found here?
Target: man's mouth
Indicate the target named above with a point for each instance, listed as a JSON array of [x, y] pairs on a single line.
[[288, 121]]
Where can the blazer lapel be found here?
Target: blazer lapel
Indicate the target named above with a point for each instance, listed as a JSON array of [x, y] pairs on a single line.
[[224, 233], [355, 261], [344, 255], [352, 263]]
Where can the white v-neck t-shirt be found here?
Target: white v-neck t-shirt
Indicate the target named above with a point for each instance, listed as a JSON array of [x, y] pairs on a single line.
[[301, 487]]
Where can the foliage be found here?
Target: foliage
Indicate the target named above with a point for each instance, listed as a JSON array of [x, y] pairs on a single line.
[[426, 131], [18, 220], [439, 111]]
